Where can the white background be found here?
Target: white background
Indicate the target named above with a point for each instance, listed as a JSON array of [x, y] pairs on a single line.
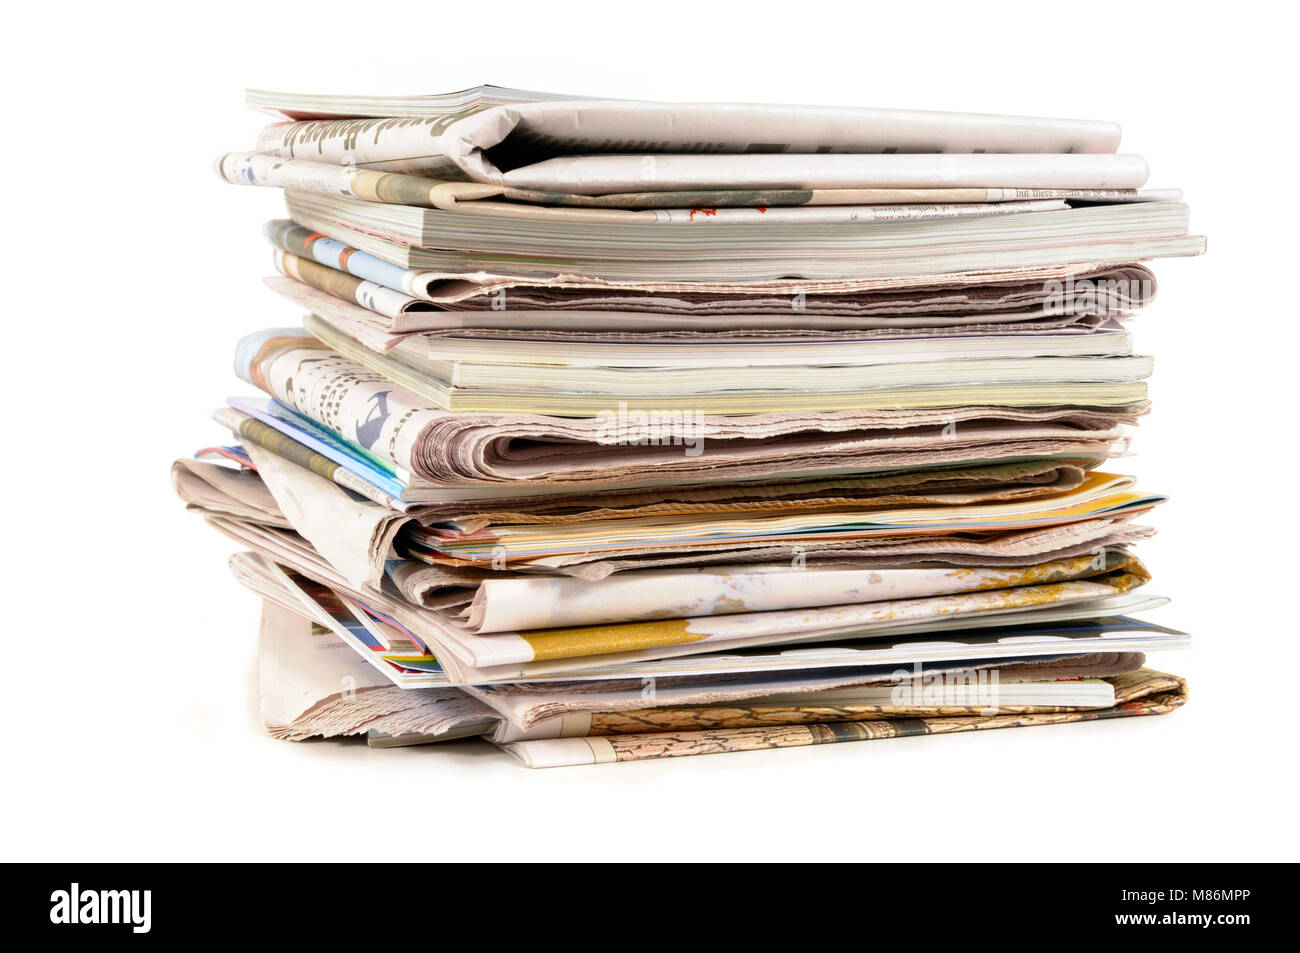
[[130, 701]]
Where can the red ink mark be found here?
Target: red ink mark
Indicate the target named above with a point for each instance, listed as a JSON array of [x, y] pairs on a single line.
[[703, 211]]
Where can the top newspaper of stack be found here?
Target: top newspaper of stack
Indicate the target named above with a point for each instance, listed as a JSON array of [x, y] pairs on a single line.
[[328, 106], [710, 191]]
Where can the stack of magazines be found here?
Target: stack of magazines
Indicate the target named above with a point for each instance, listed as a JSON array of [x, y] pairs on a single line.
[[627, 430]]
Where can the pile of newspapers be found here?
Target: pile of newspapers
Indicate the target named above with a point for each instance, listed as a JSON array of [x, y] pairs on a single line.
[[628, 430]]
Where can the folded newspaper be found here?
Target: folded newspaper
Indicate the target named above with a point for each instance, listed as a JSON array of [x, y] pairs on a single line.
[[614, 431]]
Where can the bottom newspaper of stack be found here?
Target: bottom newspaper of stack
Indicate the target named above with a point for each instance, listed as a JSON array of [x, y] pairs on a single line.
[[712, 619], [312, 689]]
